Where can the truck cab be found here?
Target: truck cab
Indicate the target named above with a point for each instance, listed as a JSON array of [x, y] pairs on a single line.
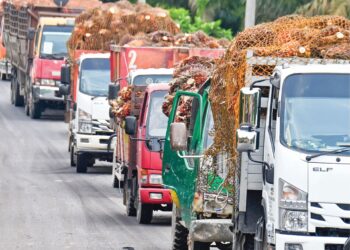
[[202, 202], [50, 49], [89, 128]]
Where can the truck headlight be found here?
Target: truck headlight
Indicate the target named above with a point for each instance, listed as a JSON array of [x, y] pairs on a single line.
[[85, 122], [292, 208], [45, 82], [155, 179]]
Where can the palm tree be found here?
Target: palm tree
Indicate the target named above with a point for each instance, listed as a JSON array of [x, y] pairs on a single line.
[[326, 7]]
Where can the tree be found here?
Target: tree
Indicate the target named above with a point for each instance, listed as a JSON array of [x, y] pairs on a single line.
[[326, 7]]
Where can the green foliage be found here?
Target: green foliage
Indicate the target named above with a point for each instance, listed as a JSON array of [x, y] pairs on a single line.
[[326, 7], [189, 25]]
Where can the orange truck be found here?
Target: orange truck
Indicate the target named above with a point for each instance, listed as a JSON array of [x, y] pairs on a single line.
[[137, 161]]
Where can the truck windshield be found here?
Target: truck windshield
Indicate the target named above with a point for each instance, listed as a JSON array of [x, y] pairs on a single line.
[[143, 80], [54, 41], [208, 129], [157, 122], [315, 112], [95, 76]]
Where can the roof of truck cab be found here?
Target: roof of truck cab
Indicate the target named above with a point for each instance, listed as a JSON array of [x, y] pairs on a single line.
[[84, 56], [56, 21], [159, 86], [153, 71], [315, 68]]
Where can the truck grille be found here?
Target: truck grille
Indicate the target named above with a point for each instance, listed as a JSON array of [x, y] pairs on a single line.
[[101, 127], [328, 215], [333, 247]]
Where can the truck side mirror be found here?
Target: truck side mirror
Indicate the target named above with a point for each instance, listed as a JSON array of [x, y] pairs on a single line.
[[113, 90], [65, 74], [31, 34], [247, 140], [249, 111], [130, 125], [64, 89], [178, 136]]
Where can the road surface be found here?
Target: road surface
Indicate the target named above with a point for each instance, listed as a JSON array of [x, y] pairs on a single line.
[[45, 204]]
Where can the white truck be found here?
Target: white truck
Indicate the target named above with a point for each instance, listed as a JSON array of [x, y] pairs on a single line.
[[89, 128], [294, 191]]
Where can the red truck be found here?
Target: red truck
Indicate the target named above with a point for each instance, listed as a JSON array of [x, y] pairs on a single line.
[[35, 38], [137, 163]]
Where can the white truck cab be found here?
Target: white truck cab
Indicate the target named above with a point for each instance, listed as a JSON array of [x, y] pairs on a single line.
[[301, 170], [89, 128]]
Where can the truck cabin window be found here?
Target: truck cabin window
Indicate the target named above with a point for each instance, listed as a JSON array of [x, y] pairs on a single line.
[[208, 129], [95, 76], [54, 42], [157, 122], [315, 112], [144, 80]]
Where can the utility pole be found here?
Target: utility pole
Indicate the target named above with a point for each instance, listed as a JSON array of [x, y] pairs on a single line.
[[250, 13]]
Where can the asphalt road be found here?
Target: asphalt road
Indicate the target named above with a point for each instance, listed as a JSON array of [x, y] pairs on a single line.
[[45, 204]]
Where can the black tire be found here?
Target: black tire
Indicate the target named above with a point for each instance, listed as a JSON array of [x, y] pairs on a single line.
[[129, 199], [81, 163], [144, 212], [179, 232], [72, 160], [224, 246], [3, 77], [201, 245], [17, 99], [117, 183], [249, 242], [35, 111]]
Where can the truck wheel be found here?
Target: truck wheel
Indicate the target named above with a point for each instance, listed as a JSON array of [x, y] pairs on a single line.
[[72, 156], [201, 245], [179, 233], [81, 164], [16, 99], [34, 108], [130, 200], [144, 212], [249, 242], [3, 77]]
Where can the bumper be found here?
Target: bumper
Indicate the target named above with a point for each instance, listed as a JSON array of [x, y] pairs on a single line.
[[155, 196], [46, 94], [308, 242], [211, 230], [92, 143]]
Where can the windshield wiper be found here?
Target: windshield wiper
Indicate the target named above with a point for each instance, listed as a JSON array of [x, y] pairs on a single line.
[[344, 148]]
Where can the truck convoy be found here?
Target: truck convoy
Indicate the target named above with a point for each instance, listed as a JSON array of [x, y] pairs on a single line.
[[35, 39], [269, 139]]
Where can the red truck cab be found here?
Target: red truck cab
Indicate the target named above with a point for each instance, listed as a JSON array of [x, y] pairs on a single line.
[[151, 129]]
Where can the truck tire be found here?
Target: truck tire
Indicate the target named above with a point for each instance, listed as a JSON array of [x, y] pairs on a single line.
[[179, 233], [4, 77], [35, 111], [144, 212], [16, 98], [201, 245], [249, 242], [72, 156], [129, 199], [81, 163]]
